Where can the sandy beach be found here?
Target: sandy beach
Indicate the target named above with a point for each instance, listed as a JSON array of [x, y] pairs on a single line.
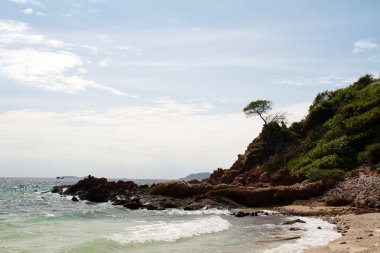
[[360, 232]]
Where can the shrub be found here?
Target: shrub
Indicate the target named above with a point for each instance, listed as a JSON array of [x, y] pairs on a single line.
[[338, 146], [315, 174], [364, 121], [372, 152]]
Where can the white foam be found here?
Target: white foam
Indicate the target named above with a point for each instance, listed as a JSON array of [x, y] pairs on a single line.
[[170, 231], [310, 237], [199, 212], [49, 215]]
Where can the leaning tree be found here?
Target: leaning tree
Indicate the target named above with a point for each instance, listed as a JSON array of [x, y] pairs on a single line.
[[262, 109]]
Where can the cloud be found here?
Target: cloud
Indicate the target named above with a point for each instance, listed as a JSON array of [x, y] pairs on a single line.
[[104, 38], [33, 2], [13, 26], [364, 45], [104, 63], [46, 66], [28, 11], [163, 140], [333, 79]]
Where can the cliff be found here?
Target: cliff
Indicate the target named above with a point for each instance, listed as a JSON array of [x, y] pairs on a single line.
[[340, 133]]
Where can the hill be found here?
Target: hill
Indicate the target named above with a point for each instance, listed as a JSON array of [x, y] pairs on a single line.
[[340, 133], [197, 176]]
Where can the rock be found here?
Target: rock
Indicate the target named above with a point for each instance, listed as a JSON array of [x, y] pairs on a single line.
[[75, 199], [360, 191], [343, 243], [132, 205], [291, 222], [179, 189], [59, 189], [295, 229], [97, 189], [253, 197], [241, 214]]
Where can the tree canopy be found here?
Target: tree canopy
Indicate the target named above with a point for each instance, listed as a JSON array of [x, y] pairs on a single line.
[[258, 107], [262, 108]]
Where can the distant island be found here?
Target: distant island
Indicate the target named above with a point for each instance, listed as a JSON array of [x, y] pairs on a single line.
[[196, 176]]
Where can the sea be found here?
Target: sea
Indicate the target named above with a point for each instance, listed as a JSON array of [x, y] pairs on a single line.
[[32, 219]]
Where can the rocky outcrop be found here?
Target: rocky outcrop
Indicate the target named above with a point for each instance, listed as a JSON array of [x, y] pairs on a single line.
[[185, 195], [274, 144], [180, 189], [98, 189], [362, 192], [254, 197]]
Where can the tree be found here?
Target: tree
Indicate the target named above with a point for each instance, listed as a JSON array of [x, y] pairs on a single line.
[[262, 107]]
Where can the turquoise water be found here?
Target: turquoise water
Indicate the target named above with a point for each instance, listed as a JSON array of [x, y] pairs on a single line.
[[34, 220]]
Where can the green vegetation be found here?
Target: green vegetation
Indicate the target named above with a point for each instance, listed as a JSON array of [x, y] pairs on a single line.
[[340, 132], [261, 108]]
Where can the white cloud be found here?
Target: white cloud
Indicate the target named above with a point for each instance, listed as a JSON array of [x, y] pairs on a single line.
[[333, 79], [33, 2], [82, 70], [45, 66], [135, 50], [104, 63], [13, 26], [104, 38], [363, 45], [164, 140], [28, 11]]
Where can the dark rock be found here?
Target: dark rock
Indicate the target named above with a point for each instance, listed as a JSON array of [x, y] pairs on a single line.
[[179, 189], [97, 189], [132, 205], [291, 222], [75, 199], [241, 214], [59, 189]]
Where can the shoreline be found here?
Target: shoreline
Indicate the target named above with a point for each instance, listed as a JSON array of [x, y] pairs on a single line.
[[360, 229]]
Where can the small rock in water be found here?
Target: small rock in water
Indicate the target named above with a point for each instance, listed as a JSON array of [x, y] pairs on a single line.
[[132, 206], [291, 222], [74, 199]]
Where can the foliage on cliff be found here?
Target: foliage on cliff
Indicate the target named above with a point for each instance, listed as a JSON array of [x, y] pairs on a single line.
[[340, 132]]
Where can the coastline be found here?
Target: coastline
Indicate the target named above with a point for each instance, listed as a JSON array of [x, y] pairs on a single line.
[[360, 229]]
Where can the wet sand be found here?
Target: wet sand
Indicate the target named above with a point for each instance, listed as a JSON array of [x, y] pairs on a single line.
[[360, 232]]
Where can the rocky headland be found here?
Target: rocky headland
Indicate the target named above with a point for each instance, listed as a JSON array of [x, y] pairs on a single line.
[[325, 165]]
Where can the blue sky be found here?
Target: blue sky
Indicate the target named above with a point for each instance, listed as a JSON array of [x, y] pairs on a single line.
[[155, 89]]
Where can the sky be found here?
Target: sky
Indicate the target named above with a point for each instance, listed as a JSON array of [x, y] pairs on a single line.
[[155, 89]]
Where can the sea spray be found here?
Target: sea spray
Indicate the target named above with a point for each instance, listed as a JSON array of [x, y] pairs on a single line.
[[171, 231]]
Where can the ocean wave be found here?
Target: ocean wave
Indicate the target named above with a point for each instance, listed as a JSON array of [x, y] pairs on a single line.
[[170, 231], [198, 212], [316, 232]]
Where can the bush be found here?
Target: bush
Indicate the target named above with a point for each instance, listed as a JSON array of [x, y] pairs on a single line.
[[372, 153], [319, 115], [338, 146], [363, 82], [364, 121], [315, 174]]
